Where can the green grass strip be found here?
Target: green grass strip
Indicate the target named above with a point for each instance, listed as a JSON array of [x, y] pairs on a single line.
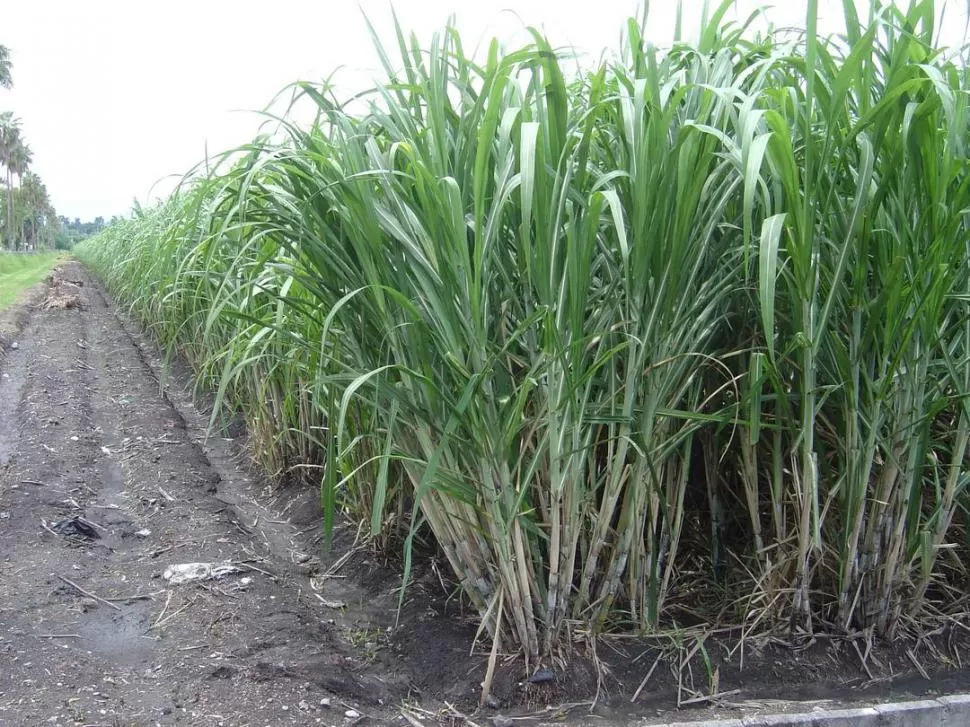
[[19, 272]]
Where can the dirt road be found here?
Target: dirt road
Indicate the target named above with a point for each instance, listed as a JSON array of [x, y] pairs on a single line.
[[91, 632]]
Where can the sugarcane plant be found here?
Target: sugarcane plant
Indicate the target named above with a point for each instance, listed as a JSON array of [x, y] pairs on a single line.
[[685, 332]]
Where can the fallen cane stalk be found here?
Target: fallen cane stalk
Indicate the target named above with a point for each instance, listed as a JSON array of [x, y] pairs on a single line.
[[170, 617], [643, 684], [710, 697], [136, 597], [78, 588], [168, 600]]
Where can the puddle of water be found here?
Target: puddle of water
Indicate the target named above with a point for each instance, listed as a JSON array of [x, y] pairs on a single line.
[[118, 635], [13, 376], [113, 481]]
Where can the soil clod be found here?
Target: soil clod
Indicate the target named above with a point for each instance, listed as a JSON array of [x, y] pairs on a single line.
[[542, 676]]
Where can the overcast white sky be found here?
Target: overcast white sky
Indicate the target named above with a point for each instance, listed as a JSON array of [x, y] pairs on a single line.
[[115, 95]]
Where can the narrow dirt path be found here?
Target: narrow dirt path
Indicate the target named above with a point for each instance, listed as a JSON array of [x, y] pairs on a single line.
[[90, 630]]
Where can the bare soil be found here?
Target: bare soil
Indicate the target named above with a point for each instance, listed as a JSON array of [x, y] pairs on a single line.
[[107, 479], [90, 631]]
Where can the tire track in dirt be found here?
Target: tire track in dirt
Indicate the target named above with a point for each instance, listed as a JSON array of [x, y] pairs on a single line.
[[81, 413]]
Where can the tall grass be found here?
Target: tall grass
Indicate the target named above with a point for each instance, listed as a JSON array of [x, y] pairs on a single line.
[[682, 337]]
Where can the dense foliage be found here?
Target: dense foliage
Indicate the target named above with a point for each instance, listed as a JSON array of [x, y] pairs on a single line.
[[682, 337]]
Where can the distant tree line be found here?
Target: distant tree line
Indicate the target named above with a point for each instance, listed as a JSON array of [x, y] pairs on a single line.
[[70, 232]]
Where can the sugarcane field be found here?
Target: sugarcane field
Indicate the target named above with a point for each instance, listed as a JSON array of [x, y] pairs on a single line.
[[509, 366]]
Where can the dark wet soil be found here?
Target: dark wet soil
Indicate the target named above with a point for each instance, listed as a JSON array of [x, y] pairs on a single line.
[[107, 479]]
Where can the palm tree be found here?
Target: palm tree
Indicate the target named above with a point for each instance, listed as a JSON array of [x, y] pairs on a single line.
[[18, 163], [46, 215], [37, 208], [6, 68], [10, 139]]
